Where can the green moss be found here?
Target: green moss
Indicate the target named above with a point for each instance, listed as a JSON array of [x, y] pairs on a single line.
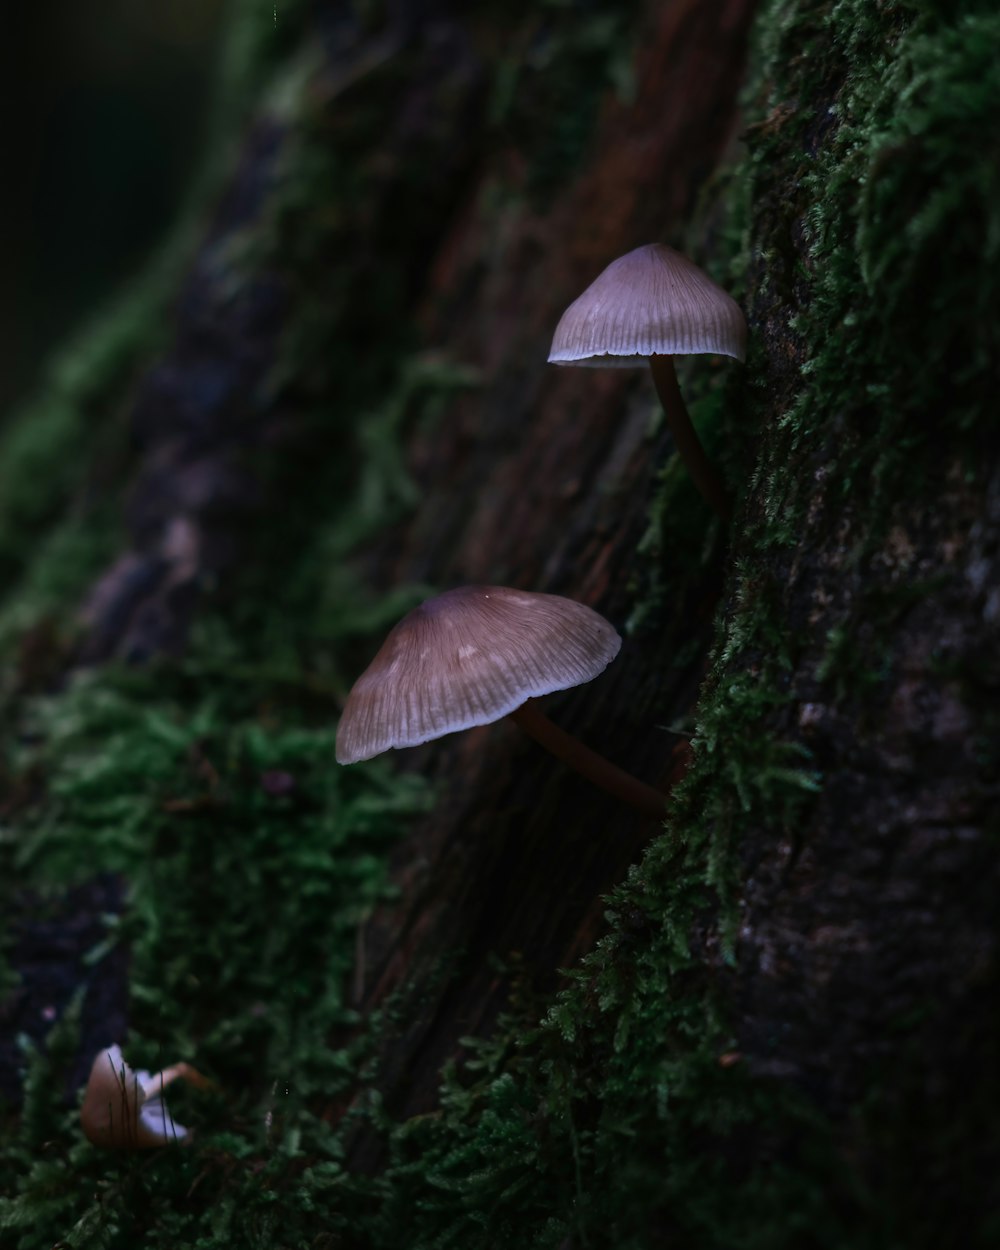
[[900, 216], [238, 895], [50, 447]]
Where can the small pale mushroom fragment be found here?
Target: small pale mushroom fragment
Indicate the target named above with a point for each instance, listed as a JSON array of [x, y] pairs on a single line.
[[645, 308], [124, 1109], [473, 655]]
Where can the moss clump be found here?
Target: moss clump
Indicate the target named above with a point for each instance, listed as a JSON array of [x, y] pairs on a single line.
[[250, 863]]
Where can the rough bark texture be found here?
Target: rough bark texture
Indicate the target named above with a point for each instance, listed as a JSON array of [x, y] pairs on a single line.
[[883, 902], [538, 478], [542, 479]]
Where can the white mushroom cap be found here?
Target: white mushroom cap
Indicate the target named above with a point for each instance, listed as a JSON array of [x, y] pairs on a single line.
[[651, 302], [123, 1109], [468, 657]]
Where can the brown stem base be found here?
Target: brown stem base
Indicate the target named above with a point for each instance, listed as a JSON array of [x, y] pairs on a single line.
[[703, 473], [588, 763]]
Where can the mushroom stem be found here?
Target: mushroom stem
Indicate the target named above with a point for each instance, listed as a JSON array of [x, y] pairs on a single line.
[[588, 763], [703, 472], [177, 1072]]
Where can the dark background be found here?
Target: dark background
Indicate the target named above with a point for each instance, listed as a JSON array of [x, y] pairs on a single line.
[[103, 129]]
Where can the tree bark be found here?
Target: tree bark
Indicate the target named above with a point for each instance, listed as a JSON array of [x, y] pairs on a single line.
[[538, 478]]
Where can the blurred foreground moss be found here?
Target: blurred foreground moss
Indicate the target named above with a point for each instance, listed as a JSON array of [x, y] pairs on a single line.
[[251, 862]]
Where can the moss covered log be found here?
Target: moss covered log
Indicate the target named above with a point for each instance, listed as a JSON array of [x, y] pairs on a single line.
[[456, 1000]]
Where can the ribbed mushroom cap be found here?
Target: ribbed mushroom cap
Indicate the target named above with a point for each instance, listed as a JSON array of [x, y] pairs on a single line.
[[122, 1109], [468, 657], [650, 302]]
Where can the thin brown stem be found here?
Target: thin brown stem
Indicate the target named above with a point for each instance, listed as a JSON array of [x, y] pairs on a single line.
[[588, 763], [703, 473]]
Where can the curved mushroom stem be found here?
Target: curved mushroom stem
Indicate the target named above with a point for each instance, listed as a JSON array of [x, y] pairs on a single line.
[[588, 763], [703, 473], [158, 1081]]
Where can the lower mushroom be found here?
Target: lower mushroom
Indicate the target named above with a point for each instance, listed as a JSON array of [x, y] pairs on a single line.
[[590, 764], [474, 655]]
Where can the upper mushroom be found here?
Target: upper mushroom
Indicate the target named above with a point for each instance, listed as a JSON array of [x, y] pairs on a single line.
[[645, 308], [651, 302]]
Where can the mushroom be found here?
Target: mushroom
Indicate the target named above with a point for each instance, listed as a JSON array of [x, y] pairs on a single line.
[[473, 655], [651, 305], [124, 1110]]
